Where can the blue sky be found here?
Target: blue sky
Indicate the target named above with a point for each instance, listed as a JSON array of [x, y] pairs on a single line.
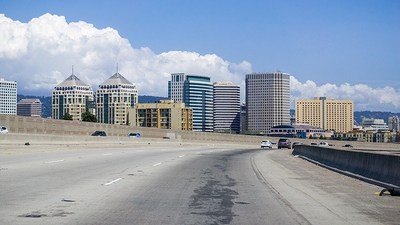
[[335, 42]]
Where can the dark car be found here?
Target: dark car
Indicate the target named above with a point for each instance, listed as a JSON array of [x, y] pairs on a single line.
[[284, 143], [99, 133]]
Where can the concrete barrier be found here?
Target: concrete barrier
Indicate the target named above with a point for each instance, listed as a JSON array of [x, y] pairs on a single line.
[[380, 169]]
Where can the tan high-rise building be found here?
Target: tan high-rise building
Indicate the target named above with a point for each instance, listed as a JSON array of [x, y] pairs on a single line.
[[326, 113], [164, 115], [71, 96], [114, 98]]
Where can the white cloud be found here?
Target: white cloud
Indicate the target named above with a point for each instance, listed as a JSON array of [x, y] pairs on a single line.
[[39, 55], [364, 97]]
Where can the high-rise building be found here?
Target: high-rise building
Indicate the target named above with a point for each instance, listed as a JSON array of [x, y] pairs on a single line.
[[394, 123], [114, 98], [8, 97], [166, 114], [197, 93], [226, 107], [29, 107], [71, 96], [326, 113], [267, 101]]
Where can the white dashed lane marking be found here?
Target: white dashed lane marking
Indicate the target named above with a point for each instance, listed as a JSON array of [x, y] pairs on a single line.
[[157, 164], [113, 181], [55, 161]]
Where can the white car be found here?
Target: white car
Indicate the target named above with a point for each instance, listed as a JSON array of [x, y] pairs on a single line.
[[266, 144], [324, 144], [3, 130]]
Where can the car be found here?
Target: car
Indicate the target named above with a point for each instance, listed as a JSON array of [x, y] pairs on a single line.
[[3, 130], [313, 143], [324, 143], [348, 146], [266, 144], [99, 133], [284, 143], [134, 135]]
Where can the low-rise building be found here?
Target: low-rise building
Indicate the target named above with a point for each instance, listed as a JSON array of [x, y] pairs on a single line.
[[166, 114], [299, 131], [29, 107]]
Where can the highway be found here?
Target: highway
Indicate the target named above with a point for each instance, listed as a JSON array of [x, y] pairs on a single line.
[[179, 183]]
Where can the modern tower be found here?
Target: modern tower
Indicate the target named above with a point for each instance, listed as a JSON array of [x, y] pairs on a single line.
[[71, 96], [8, 97], [226, 107], [197, 93], [326, 113], [114, 98], [267, 101]]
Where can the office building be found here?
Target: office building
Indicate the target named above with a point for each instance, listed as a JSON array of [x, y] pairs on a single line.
[[166, 114], [71, 96], [226, 107], [326, 113], [114, 98], [29, 107], [267, 101], [394, 123], [8, 97], [197, 93], [374, 124]]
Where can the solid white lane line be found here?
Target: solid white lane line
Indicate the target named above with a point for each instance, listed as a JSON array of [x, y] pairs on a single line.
[[157, 164], [56, 161], [105, 154], [181, 156], [113, 181]]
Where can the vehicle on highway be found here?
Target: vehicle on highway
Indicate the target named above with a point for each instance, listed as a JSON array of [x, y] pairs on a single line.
[[284, 143], [313, 143], [266, 144], [348, 146], [99, 133], [3, 130], [134, 135], [324, 143]]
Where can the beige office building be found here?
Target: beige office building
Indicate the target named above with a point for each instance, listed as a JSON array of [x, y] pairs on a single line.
[[114, 98], [166, 114], [29, 107], [71, 96], [326, 113]]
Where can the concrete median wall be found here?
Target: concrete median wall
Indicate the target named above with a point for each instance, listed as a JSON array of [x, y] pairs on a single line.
[[32, 129], [380, 167]]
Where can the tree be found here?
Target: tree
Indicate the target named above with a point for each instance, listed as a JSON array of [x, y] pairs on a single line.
[[67, 116], [88, 117]]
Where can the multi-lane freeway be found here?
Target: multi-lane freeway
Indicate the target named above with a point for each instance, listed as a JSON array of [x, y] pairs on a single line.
[[176, 183]]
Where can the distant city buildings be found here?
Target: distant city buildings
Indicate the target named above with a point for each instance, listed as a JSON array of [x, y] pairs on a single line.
[[326, 113], [29, 107], [267, 101], [196, 92], [394, 123], [374, 124], [8, 97], [114, 98], [71, 96], [166, 114], [226, 107]]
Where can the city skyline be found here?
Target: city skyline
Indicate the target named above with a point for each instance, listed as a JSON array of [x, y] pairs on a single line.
[[336, 49]]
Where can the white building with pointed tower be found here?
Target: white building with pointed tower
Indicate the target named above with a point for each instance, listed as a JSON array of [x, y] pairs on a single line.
[[114, 98], [71, 96]]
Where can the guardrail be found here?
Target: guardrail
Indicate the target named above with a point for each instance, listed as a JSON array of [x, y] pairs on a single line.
[[379, 169]]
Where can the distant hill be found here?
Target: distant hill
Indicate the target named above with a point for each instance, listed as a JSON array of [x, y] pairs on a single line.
[[46, 102]]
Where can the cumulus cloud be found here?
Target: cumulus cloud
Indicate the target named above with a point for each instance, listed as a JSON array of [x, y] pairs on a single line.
[[39, 55], [364, 97]]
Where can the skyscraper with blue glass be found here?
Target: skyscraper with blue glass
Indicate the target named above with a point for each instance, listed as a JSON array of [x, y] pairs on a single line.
[[197, 93]]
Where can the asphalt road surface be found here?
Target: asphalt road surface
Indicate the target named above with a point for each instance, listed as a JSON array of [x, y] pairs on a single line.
[[172, 183]]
